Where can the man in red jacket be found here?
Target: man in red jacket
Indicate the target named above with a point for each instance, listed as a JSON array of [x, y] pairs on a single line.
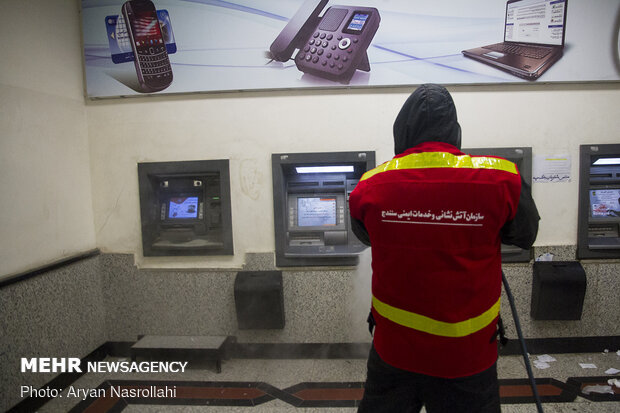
[[435, 219]]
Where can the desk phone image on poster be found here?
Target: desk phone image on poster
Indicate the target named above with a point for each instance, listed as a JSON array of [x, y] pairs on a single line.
[[332, 47], [148, 45]]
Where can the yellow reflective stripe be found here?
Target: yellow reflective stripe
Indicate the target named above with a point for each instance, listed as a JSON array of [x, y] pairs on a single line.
[[431, 326], [442, 160]]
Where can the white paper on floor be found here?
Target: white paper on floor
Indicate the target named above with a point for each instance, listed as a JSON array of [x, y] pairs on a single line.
[[597, 389], [541, 365], [542, 362]]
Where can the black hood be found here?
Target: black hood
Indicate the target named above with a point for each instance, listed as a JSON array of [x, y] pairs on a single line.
[[428, 115]]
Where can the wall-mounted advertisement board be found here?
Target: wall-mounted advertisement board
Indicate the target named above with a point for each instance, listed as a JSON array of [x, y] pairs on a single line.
[[183, 46]]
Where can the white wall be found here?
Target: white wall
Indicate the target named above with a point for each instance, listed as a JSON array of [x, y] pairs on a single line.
[[45, 192], [52, 142], [248, 127]]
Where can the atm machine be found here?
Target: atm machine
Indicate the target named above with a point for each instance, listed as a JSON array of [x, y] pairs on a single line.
[[185, 208], [522, 157], [598, 226], [311, 212]]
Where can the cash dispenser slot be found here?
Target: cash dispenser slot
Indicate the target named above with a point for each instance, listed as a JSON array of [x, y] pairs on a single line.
[[302, 240], [603, 237], [599, 202], [311, 214]]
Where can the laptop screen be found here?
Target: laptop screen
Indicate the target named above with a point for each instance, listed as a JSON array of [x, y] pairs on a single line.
[[535, 21]]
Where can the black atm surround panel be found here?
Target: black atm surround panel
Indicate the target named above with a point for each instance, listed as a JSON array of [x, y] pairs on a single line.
[[311, 216], [522, 157], [190, 212], [185, 208], [599, 202]]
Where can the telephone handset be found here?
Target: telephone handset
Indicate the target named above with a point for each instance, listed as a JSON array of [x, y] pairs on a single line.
[[333, 46]]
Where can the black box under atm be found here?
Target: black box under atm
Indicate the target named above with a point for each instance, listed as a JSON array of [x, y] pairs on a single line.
[[558, 290], [259, 300]]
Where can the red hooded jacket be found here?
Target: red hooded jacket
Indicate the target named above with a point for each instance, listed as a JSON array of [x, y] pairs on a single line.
[[434, 217]]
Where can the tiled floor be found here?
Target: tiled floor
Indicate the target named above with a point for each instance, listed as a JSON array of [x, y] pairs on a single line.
[[309, 386]]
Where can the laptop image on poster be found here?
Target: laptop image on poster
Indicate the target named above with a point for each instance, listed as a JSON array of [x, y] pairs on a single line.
[[534, 33]]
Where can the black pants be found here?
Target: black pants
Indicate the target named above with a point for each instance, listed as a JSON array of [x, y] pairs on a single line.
[[389, 389]]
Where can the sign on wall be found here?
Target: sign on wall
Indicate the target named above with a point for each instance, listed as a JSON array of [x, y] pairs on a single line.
[[183, 46]]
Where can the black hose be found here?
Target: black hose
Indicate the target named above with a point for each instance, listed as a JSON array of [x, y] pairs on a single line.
[[528, 367]]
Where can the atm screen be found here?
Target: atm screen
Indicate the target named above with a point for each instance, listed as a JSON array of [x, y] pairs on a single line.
[[316, 212], [605, 202], [183, 207]]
